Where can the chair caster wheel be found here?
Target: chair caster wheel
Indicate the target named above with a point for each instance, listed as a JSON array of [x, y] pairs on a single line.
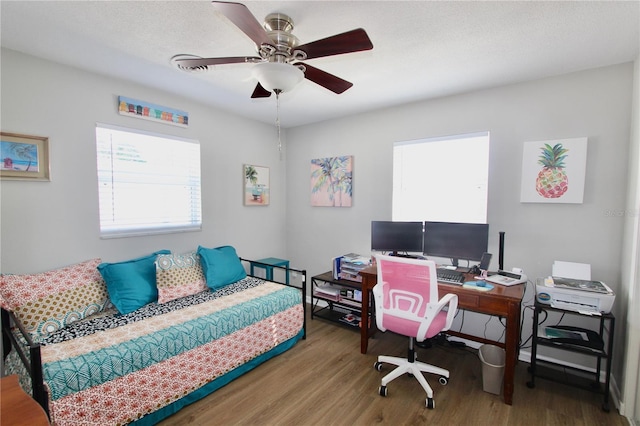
[[431, 403], [443, 380], [382, 390], [378, 366], [531, 385]]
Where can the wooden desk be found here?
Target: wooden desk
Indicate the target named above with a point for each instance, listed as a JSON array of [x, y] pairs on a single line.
[[502, 301], [18, 408]]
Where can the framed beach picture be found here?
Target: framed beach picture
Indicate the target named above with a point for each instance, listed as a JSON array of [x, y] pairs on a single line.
[[24, 157], [256, 185], [331, 181]]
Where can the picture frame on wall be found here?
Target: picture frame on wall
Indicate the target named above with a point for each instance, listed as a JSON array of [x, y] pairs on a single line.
[[152, 112], [24, 157], [332, 181], [554, 171], [256, 191]]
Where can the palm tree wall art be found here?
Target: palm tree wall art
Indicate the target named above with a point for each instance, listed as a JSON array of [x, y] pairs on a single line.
[[24, 157], [332, 181], [256, 185]]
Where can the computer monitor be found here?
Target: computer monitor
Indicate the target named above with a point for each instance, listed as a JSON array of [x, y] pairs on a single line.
[[396, 237], [467, 241]]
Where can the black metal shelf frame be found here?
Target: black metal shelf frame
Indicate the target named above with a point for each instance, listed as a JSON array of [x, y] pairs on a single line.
[[595, 346]]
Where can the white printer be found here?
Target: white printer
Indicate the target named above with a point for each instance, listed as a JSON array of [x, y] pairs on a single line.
[[574, 294]]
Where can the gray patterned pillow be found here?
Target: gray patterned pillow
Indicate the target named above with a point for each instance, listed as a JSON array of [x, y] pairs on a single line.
[[179, 275]]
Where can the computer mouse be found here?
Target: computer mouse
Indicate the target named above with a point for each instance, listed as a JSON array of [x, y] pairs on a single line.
[[481, 284]]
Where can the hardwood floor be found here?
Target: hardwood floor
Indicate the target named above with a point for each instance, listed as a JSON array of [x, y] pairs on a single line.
[[324, 380]]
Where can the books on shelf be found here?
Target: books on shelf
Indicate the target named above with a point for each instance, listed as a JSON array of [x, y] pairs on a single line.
[[576, 337], [559, 333], [351, 319], [327, 292], [327, 289], [336, 293]]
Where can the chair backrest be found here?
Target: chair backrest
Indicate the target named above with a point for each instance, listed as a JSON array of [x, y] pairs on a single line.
[[405, 289]]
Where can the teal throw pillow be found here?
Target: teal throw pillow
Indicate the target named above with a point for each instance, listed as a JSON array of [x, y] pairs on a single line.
[[131, 284], [221, 266]]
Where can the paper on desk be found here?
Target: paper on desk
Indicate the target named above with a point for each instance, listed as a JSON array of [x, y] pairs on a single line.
[[579, 271]]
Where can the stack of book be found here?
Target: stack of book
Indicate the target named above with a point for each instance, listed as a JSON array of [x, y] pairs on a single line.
[[351, 319], [348, 267], [327, 292]]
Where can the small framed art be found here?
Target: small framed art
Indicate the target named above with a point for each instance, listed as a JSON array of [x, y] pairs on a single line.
[[256, 185], [24, 157], [148, 111]]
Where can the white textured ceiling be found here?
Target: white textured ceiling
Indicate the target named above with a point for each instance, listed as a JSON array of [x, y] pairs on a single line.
[[422, 49]]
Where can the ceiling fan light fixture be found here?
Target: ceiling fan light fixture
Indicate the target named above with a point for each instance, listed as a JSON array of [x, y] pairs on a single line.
[[277, 76]]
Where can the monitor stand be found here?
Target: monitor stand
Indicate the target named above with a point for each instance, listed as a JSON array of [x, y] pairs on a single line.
[[408, 256], [454, 262]]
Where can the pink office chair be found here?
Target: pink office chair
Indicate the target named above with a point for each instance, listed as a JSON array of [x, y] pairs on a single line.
[[406, 299]]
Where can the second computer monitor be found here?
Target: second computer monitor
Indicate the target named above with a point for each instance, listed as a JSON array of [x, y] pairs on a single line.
[[456, 241]]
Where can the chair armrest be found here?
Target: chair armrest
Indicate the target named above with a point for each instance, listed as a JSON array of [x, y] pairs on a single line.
[[450, 301]]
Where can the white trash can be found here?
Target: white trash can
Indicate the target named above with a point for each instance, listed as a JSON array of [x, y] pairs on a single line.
[[493, 359]]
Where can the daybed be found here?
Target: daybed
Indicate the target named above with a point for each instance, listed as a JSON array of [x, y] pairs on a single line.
[[136, 341]]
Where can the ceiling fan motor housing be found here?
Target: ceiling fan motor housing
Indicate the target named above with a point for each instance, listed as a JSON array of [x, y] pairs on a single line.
[[279, 27]]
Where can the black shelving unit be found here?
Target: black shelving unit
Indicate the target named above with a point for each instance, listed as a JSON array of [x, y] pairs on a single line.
[[337, 307], [594, 345]]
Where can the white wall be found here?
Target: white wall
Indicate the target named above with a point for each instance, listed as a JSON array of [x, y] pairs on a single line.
[[46, 225], [631, 267], [595, 104]]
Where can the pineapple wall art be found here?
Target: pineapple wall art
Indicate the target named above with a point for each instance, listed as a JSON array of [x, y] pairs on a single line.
[[554, 171]]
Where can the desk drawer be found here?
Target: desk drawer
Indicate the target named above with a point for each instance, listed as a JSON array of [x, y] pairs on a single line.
[[481, 303], [467, 300]]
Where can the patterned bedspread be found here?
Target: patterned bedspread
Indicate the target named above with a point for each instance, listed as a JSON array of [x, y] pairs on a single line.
[[118, 368]]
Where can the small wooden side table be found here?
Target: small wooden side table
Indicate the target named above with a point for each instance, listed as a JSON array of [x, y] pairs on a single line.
[[17, 408], [269, 263]]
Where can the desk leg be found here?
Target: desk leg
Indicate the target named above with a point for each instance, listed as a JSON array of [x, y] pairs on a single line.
[[512, 342], [364, 314]]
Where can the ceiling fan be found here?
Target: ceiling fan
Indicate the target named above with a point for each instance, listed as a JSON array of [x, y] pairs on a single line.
[[279, 65]]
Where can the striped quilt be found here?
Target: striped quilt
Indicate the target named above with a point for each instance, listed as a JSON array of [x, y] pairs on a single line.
[[116, 369]]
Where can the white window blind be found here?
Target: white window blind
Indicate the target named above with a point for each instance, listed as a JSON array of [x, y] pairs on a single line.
[[441, 179], [147, 183]]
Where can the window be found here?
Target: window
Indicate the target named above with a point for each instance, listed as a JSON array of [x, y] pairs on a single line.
[[147, 183], [441, 179]]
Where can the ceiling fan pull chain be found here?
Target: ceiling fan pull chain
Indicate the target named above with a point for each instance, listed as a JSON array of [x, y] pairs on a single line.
[[277, 92]]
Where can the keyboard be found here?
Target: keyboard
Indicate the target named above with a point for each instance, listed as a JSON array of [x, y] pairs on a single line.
[[450, 277]]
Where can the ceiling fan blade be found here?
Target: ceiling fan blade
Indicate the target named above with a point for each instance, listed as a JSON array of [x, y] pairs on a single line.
[[242, 18], [352, 41], [203, 62], [260, 92], [326, 80]]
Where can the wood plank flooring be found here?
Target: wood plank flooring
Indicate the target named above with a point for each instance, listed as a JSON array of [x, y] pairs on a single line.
[[324, 380]]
